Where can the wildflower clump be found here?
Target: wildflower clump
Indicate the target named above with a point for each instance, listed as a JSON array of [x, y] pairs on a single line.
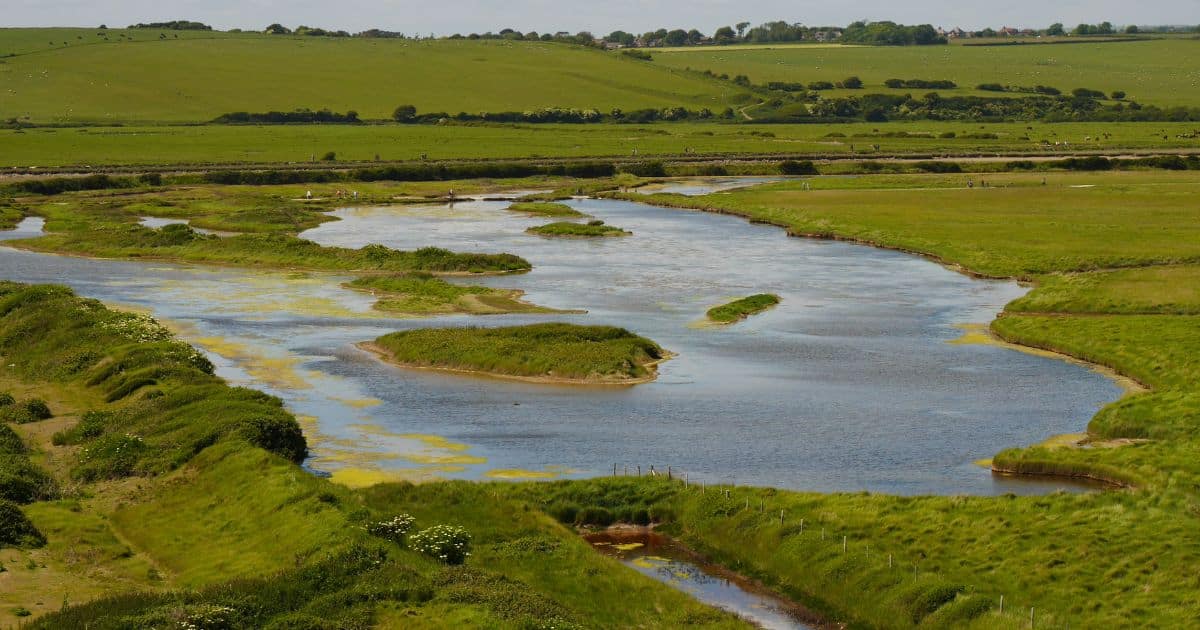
[[135, 327], [394, 529], [447, 543]]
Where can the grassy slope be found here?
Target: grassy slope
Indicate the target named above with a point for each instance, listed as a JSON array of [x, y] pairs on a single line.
[[1151, 72], [564, 351], [299, 143], [233, 510], [198, 79]]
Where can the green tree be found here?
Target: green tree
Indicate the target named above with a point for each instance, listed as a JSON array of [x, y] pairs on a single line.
[[1056, 29], [1132, 29], [404, 113], [725, 35], [277, 29], [852, 83]]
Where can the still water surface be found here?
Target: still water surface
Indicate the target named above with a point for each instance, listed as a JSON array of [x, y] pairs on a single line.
[[850, 384]]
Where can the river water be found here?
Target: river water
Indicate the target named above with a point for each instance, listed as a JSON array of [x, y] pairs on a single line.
[[852, 383]]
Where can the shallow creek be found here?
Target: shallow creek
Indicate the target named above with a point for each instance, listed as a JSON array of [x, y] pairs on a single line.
[[852, 383]]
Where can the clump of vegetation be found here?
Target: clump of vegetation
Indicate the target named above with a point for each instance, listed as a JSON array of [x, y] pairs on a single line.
[[545, 209], [555, 351], [448, 543], [591, 229], [394, 529], [738, 310]]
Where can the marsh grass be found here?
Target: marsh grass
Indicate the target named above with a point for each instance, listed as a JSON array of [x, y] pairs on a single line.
[[556, 351], [545, 209], [423, 294], [591, 229], [740, 309]]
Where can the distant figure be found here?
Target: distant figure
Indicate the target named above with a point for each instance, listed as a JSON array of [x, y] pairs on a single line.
[[452, 193], [1043, 181], [355, 195], [970, 183], [308, 195]]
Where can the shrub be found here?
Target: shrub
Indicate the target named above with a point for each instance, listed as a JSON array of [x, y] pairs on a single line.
[[852, 83], [89, 427], [394, 529], [6, 399], [110, 457], [948, 135], [563, 512], [792, 167], [279, 434], [939, 167], [448, 543], [329, 156], [645, 169]]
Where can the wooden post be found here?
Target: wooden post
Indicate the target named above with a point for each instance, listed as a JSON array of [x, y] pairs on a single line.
[[889, 560], [1031, 619], [668, 473], [1001, 604], [868, 552], [844, 544], [614, 470], [781, 516], [822, 533], [639, 470], [801, 526], [685, 481]]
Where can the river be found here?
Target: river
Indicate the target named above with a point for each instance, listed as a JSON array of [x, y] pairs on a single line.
[[852, 383]]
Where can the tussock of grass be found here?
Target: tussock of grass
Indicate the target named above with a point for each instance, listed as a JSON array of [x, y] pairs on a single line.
[[591, 229], [545, 209], [554, 351], [738, 310]]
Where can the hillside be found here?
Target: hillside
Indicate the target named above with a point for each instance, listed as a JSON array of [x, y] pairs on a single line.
[[1161, 72], [200, 76]]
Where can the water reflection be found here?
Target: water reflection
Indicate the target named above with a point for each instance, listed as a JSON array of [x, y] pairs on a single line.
[[660, 558]]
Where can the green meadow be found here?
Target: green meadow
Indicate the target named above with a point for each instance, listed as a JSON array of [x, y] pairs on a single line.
[[1153, 71], [740, 309], [195, 79], [216, 144]]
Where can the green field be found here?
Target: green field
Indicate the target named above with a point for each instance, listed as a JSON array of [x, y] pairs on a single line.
[[1160, 72], [166, 145], [199, 78]]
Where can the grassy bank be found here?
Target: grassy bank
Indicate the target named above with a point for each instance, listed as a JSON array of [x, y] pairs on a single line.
[[591, 229], [153, 453], [738, 310], [547, 352], [265, 220], [422, 294]]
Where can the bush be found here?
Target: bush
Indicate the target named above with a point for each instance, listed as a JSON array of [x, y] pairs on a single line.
[[852, 83], [448, 543], [394, 529], [6, 399], [329, 156], [939, 167], [110, 457], [792, 167], [645, 169], [15, 528], [279, 434], [91, 426]]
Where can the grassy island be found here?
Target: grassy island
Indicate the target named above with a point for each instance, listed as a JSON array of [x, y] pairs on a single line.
[[423, 294], [591, 229], [545, 209], [738, 310], [565, 353]]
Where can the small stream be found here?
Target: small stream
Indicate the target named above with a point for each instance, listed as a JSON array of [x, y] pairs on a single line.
[[663, 559]]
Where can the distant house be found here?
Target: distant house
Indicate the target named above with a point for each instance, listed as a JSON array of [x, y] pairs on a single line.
[[611, 45], [1008, 32], [957, 33]]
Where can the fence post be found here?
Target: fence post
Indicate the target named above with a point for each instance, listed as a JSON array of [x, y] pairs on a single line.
[[669, 473], [889, 560], [844, 544], [1001, 604], [1031, 619]]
